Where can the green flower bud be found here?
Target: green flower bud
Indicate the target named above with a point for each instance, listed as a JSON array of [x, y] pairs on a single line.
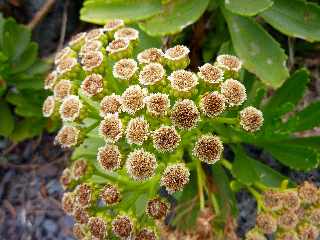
[[112, 26], [119, 48], [177, 57], [97, 34], [77, 41]]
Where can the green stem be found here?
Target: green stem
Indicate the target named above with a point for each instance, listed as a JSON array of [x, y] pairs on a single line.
[[215, 204], [200, 183], [257, 196], [226, 120], [226, 164]]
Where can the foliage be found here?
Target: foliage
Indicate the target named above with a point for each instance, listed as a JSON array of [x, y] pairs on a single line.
[[21, 77], [245, 21]]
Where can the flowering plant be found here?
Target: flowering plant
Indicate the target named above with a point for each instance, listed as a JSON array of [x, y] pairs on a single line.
[[146, 130]]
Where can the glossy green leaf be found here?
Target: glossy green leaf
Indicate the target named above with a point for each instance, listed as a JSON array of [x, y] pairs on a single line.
[[290, 93], [267, 176], [27, 58], [100, 11], [27, 128], [296, 18], [26, 104], [292, 155], [247, 7], [2, 21], [176, 16], [6, 119], [88, 148], [243, 168], [15, 39], [313, 141], [306, 119], [260, 53], [227, 198]]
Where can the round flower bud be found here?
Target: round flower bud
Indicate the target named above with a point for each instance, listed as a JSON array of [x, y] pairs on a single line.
[[125, 69], [151, 74], [210, 74], [110, 194], [66, 65], [111, 128], [234, 92], [146, 234], [273, 200], [97, 227], [79, 168], [288, 220], [122, 227], [70, 108], [208, 149], [308, 192], [314, 216], [251, 119], [183, 81], [229, 62], [308, 232], [157, 104], [62, 89], [177, 57], [49, 106], [137, 131], [79, 231], [67, 203], [166, 139], [77, 40], [109, 157], [50, 80], [81, 215], [92, 85], [63, 54], [96, 34], [65, 178], [212, 104], [156, 208], [175, 177], [254, 234], [133, 99], [92, 61], [84, 195], [150, 55], [291, 200], [68, 136], [113, 25], [92, 46], [119, 48], [185, 114], [110, 104], [141, 165], [266, 223], [127, 33]]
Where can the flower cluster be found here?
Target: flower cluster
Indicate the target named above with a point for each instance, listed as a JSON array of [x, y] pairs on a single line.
[[149, 113], [290, 214]]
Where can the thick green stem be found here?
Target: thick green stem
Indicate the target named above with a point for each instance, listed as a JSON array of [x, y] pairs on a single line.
[[226, 164], [226, 120], [200, 183]]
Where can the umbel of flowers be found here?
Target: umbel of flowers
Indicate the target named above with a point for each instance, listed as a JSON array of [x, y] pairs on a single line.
[[151, 112], [288, 214]]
